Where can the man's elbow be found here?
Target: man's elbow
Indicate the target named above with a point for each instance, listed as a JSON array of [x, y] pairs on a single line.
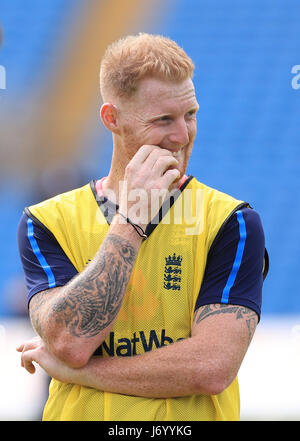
[[216, 386], [73, 355], [213, 383]]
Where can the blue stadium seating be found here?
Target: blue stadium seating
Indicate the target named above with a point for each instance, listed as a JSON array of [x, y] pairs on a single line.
[[33, 32], [32, 37], [248, 126]]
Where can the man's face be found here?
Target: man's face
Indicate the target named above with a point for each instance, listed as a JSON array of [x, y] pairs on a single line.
[[161, 113]]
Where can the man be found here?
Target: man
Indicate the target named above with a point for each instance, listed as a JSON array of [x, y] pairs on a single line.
[[143, 314]]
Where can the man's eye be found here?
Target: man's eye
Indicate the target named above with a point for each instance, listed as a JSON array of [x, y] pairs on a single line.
[[191, 113], [164, 118]]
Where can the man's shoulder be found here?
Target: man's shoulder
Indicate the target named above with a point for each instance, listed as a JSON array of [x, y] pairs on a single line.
[[62, 207], [215, 196], [65, 198]]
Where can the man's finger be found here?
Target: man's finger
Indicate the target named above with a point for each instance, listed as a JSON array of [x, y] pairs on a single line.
[[170, 176], [163, 163], [27, 359], [20, 347], [155, 155], [143, 153], [29, 344]]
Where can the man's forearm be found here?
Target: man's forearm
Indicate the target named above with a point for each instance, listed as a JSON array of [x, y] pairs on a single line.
[[91, 301], [83, 311], [205, 363], [171, 371]]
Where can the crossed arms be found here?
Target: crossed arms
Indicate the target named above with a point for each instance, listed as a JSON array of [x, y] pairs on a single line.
[[74, 320]]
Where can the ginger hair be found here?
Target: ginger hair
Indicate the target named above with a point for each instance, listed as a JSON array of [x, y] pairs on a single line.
[[130, 59]]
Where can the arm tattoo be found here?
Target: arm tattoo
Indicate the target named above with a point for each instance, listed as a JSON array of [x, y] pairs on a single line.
[[92, 300], [240, 312]]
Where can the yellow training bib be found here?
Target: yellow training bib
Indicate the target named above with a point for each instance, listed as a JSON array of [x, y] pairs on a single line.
[[158, 307]]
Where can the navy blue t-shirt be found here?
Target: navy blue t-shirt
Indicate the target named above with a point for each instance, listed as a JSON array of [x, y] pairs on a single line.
[[233, 271]]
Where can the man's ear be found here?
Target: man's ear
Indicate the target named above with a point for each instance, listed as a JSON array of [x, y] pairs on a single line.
[[109, 116]]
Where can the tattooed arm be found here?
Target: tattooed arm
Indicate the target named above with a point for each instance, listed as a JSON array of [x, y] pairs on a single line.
[[240, 312], [229, 330], [205, 363], [73, 320]]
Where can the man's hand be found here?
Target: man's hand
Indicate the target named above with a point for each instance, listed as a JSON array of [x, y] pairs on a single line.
[[149, 175], [34, 350]]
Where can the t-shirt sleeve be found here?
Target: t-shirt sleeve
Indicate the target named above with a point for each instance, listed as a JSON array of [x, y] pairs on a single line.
[[44, 262], [236, 263]]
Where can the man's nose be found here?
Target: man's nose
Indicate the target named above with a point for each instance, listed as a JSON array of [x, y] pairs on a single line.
[[180, 133]]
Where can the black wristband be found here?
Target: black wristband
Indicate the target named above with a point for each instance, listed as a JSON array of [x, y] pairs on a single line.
[[137, 228]]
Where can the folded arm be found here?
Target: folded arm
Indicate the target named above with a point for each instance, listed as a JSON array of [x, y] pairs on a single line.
[[75, 319], [205, 363]]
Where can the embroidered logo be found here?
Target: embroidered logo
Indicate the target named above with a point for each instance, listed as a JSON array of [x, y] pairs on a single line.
[[172, 274]]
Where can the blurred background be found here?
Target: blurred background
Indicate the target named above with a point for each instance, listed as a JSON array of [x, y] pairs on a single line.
[[247, 57]]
